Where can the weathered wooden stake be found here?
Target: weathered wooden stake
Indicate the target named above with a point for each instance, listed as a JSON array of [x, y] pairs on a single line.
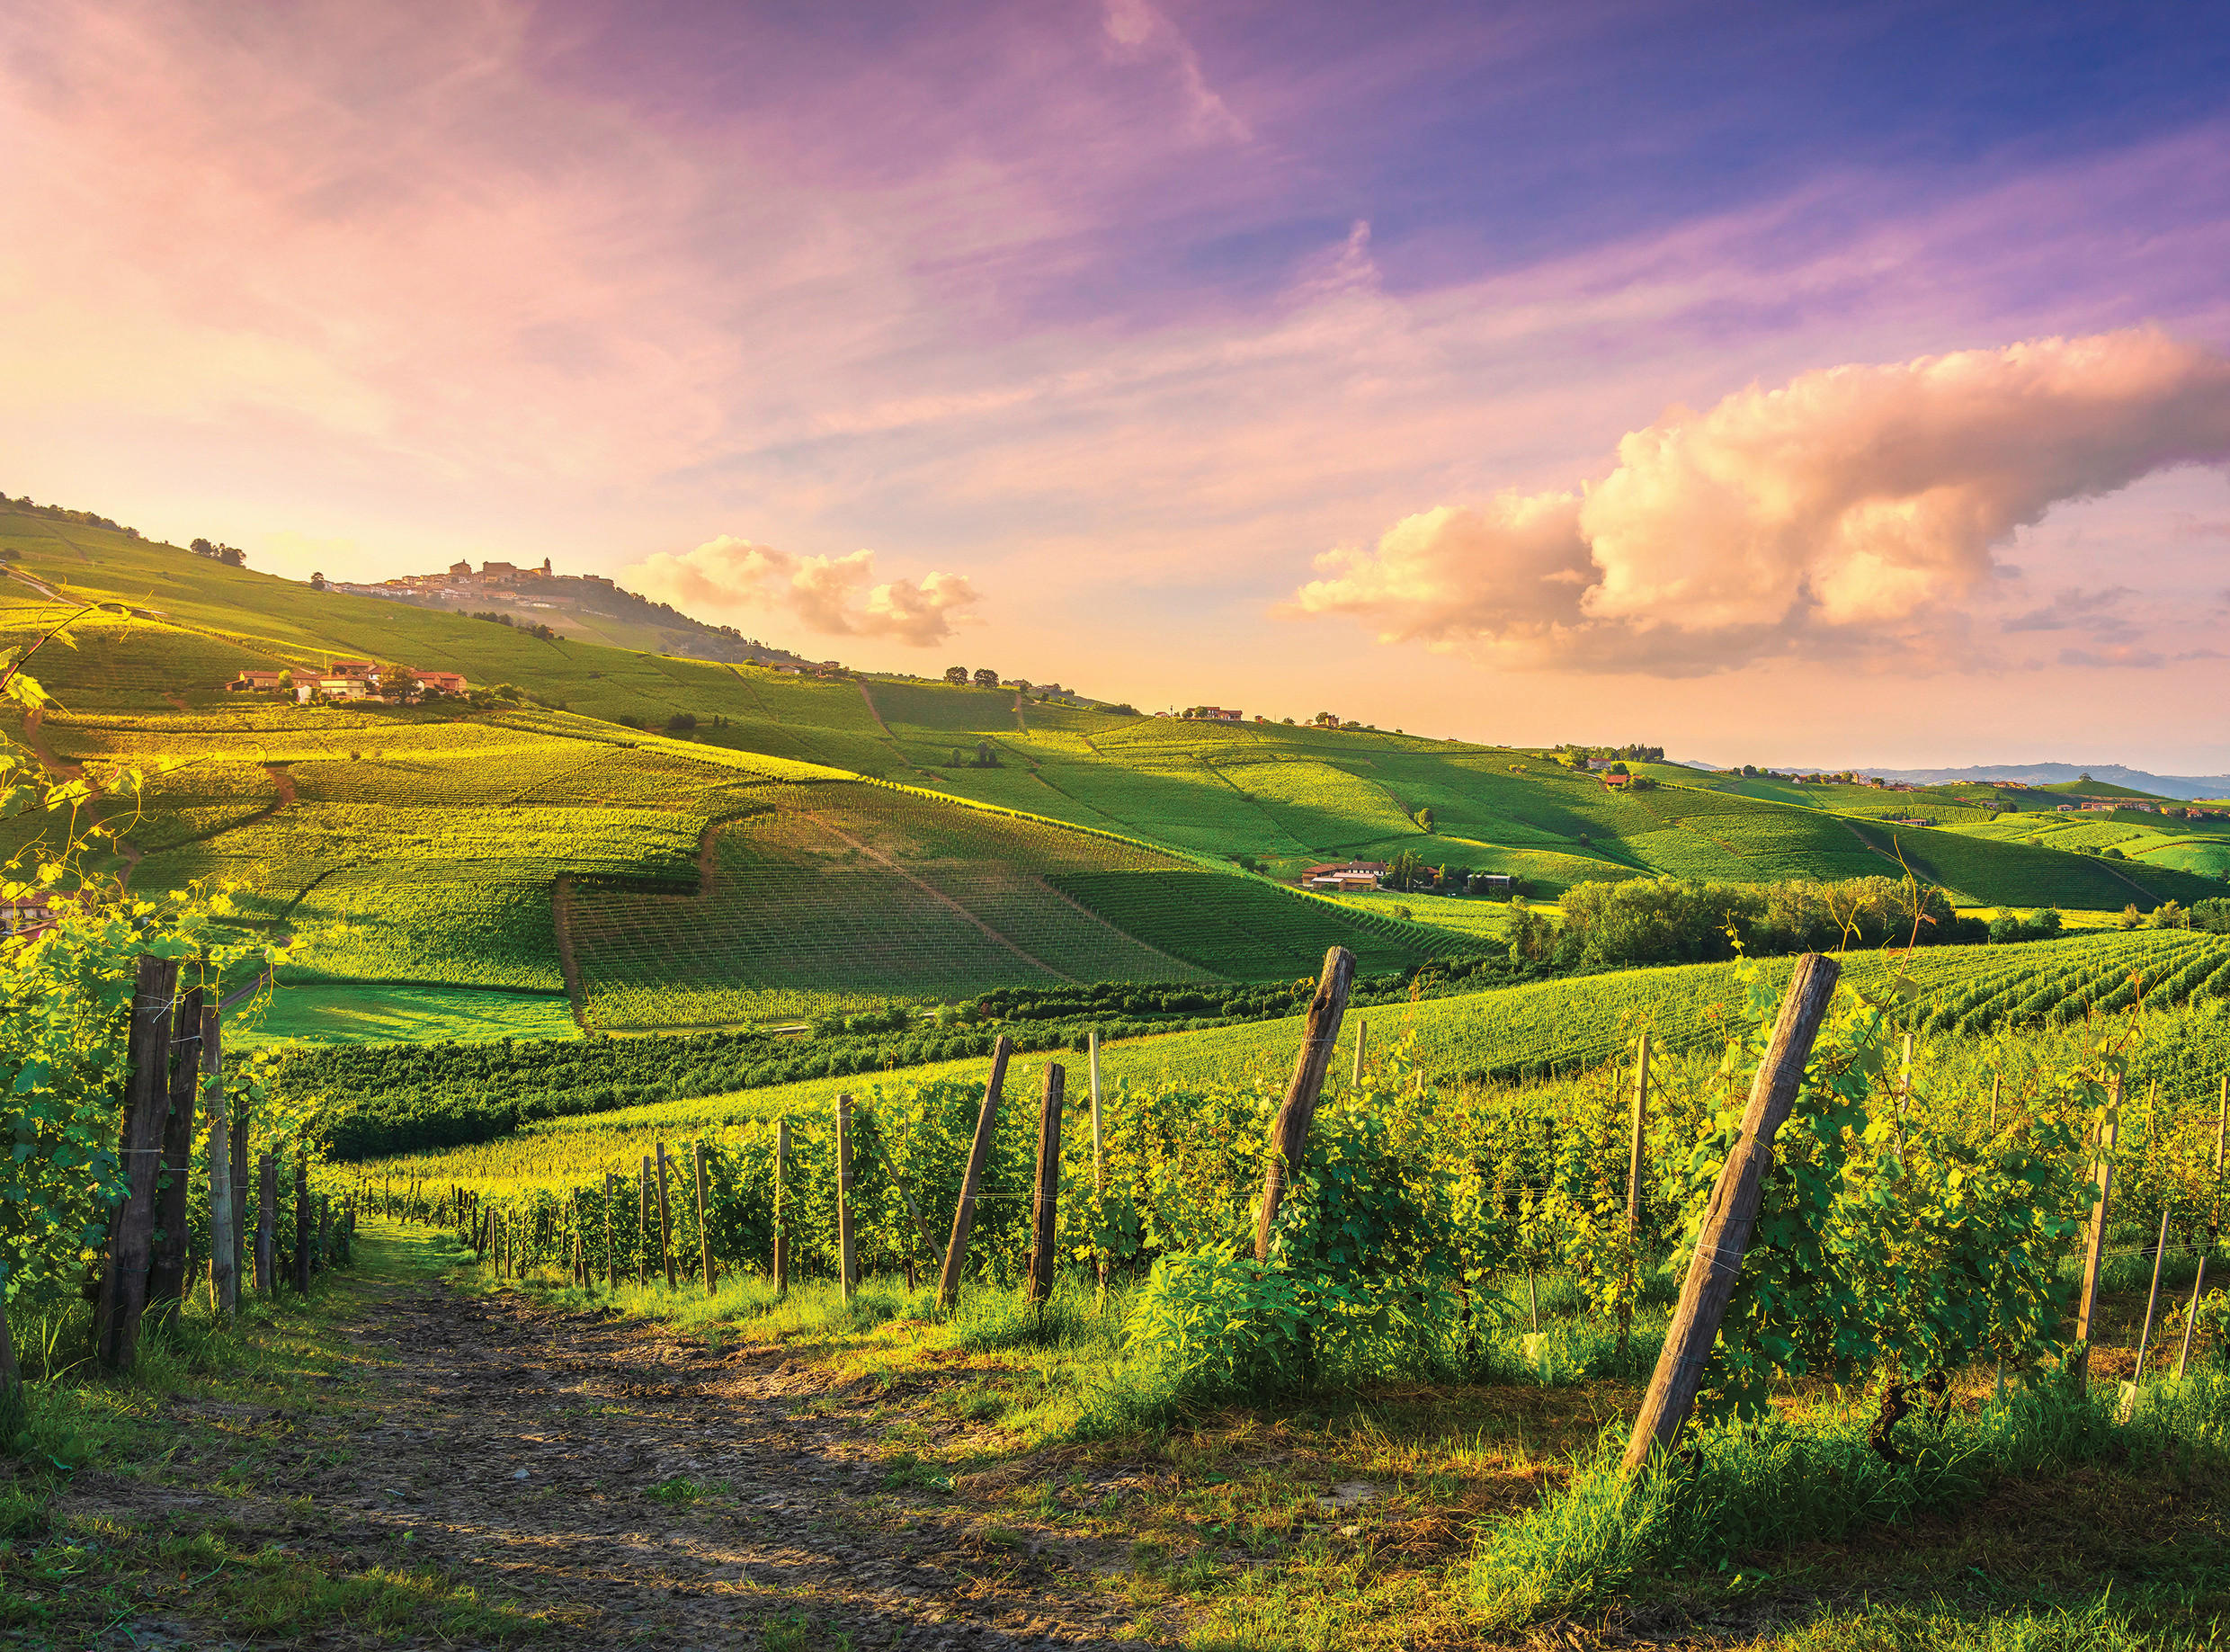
[[243, 1179], [224, 1215], [302, 1217], [2192, 1319], [704, 1224], [1099, 1146], [267, 1227], [1362, 1038], [971, 1179], [139, 1148], [782, 1214], [167, 1270], [2095, 1242], [1732, 1212], [2152, 1297], [324, 1232], [642, 1250], [611, 1254], [1641, 1126], [665, 1221], [1044, 1210], [1289, 1134], [1996, 1079], [848, 1261]]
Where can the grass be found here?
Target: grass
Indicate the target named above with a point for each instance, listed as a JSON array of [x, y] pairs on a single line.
[[384, 1014]]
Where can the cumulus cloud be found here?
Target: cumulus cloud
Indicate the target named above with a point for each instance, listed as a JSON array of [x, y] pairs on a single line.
[[836, 596], [1855, 510]]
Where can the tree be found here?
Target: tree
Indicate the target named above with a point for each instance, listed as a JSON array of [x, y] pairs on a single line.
[[986, 678], [2084, 779], [202, 547], [317, 583], [400, 683], [1424, 818], [957, 676], [1401, 873]]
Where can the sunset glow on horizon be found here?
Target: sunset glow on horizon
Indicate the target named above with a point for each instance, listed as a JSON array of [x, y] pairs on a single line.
[[1840, 388]]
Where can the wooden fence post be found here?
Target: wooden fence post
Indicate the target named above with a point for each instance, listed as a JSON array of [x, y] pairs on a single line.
[[665, 1221], [781, 1215], [1289, 1136], [1362, 1038], [642, 1252], [1046, 1208], [2152, 1297], [224, 1215], [1732, 1212], [704, 1224], [1099, 1144], [611, 1255], [302, 1217], [267, 1227], [2094, 1241], [139, 1152], [243, 1179], [166, 1271], [1641, 1127], [847, 1259], [324, 1232], [979, 1156]]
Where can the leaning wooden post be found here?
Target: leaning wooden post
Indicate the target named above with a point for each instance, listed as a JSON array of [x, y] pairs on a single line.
[[847, 1258], [267, 1227], [1362, 1037], [302, 1215], [1045, 1210], [2094, 1243], [2152, 1297], [224, 1215], [139, 1151], [2191, 1317], [1732, 1212], [1289, 1134], [166, 1271], [979, 1156], [781, 1236], [1099, 1145], [642, 1248], [704, 1226], [665, 1221]]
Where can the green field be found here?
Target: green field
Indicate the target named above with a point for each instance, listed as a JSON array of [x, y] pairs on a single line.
[[389, 1014], [745, 873]]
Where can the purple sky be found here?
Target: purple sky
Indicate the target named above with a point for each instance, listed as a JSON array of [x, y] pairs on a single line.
[[1182, 353]]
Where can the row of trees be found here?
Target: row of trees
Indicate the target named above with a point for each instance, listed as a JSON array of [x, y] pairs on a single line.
[[1686, 920]]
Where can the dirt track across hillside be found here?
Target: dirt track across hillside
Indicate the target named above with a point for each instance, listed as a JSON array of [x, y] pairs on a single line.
[[643, 1491]]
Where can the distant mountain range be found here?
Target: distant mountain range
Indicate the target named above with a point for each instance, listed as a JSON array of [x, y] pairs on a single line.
[[2035, 774]]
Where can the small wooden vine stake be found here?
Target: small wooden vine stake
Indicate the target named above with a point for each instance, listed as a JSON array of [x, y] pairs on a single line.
[[1634, 1178], [166, 1271], [611, 1256], [304, 1217], [1099, 1147], [846, 1254], [224, 1215], [2094, 1240], [781, 1212], [1732, 1213], [704, 1228], [2152, 1297], [267, 1225], [971, 1180], [1045, 1209], [1289, 1136], [665, 1221], [642, 1235]]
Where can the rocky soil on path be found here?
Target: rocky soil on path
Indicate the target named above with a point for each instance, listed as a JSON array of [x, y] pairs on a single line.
[[644, 1491]]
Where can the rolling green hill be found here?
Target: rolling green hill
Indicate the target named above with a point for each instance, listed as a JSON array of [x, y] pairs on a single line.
[[549, 846]]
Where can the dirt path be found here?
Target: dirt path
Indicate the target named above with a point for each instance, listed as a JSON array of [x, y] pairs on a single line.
[[644, 1491]]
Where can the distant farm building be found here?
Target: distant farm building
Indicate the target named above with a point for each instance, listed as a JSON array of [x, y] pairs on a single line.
[[26, 916], [332, 688], [254, 682], [1349, 876], [1492, 883], [442, 681], [1909, 820]]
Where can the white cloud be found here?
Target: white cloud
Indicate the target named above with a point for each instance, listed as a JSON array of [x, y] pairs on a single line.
[[1855, 510], [835, 596]]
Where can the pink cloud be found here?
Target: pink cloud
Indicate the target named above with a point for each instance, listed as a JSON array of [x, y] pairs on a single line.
[[1856, 510], [835, 596]]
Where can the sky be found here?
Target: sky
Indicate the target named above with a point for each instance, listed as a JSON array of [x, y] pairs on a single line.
[[1833, 384]]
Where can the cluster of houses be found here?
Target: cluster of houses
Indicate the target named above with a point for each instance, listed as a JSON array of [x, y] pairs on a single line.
[[1356, 877], [460, 582], [353, 680]]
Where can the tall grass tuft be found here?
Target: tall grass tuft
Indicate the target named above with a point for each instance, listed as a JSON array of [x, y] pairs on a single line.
[[1737, 1489]]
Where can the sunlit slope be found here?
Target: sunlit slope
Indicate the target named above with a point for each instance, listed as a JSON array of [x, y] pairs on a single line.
[[1282, 796]]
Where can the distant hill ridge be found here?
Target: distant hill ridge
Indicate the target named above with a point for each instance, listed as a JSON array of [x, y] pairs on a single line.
[[2183, 786]]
